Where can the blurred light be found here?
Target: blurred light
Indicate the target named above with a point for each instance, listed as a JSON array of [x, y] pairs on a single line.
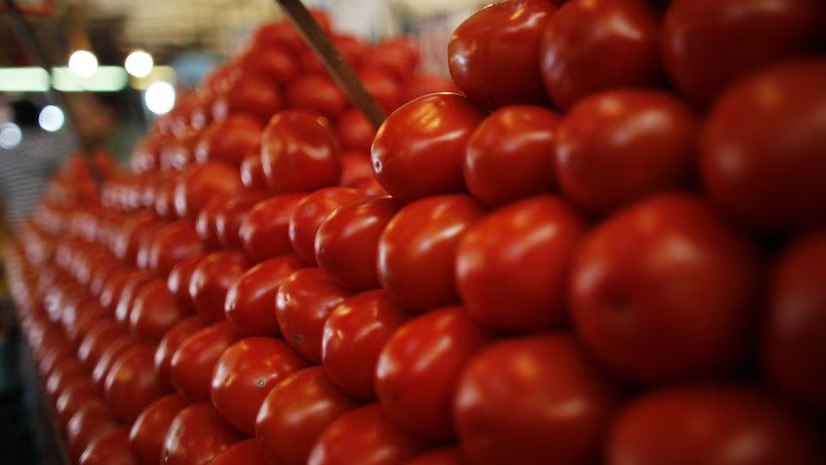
[[83, 63], [139, 63], [10, 136], [105, 79], [29, 79], [158, 73], [160, 97], [51, 118]]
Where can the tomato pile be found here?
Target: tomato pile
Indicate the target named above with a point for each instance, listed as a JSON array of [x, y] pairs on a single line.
[[606, 246]]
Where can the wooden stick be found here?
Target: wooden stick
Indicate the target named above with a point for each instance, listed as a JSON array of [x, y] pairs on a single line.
[[335, 64]]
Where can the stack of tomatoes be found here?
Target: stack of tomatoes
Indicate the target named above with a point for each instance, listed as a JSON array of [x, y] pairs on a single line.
[[608, 248]]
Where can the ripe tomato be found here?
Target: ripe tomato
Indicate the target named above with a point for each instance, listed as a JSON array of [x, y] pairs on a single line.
[[664, 291], [317, 93], [244, 375], [295, 412], [647, 140], [251, 95], [92, 421], [311, 212], [354, 335], [264, 231], [355, 131], [86, 313], [66, 371], [707, 424], [383, 86], [346, 244], [395, 55], [154, 311], [283, 34], [232, 213], [190, 369], [173, 339], [130, 291], [417, 250], [132, 383], [201, 182], [112, 449], [592, 45], [422, 84], [364, 436], [513, 267], [109, 356], [447, 456], [761, 149], [230, 139], [504, 35], [75, 393], [197, 435], [426, 136], [97, 340], [419, 367], [250, 301], [205, 223], [247, 452], [149, 430], [355, 168], [302, 304], [211, 280], [252, 172], [273, 61]]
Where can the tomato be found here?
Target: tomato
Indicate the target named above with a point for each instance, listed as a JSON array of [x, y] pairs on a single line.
[[211, 280], [230, 139], [317, 93], [149, 430], [154, 311], [354, 335], [190, 369], [252, 172], [92, 421], [264, 231], [132, 383], [75, 393], [302, 304], [417, 250], [761, 148], [135, 230], [707, 45], [130, 291], [513, 266], [112, 449], [251, 94], [295, 412], [383, 87], [502, 36], [593, 45], [283, 34], [250, 302], [244, 375], [66, 371], [299, 152], [109, 356], [180, 153], [201, 182], [792, 342], [232, 213], [275, 62], [197, 435], [97, 340], [347, 241], [666, 291], [510, 155], [395, 55], [310, 212], [355, 131], [247, 452], [172, 340], [352, 48], [446, 456], [364, 436], [708, 424], [419, 367], [355, 168], [426, 136], [422, 84], [86, 314], [205, 224], [164, 205]]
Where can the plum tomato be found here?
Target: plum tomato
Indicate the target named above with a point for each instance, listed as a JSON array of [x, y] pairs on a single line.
[[309, 214], [191, 367], [199, 183], [246, 452], [355, 168], [396, 55], [317, 93], [265, 230], [154, 311], [92, 421], [108, 358], [229, 217], [173, 339], [197, 435], [355, 131], [273, 61], [230, 140], [173, 243], [149, 430], [251, 95], [211, 280], [132, 383], [205, 224], [178, 280], [252, 171], [111, 449]]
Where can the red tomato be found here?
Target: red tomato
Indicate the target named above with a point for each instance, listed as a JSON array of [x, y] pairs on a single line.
[[264, 231], [111, 449], [211, 280], [252, 172], [130, 291], [502, 36], [761, 152], [647, 140], [352, 48], [426, 136], [248, 452], [250, 301], [355, 168], [205, 223], [200, 183], [87, 313], [422, 84], [178, 280], [708, 424], [149, 430], [383, 86], [310, 212], [132, 383], [395, 55], [180, 152], [592, 45], [253, 95], [707, 45], [109, 356], [364, 436], [273, 61], [299, 152], [317, 93], [793, 342], [92, 421], [295, 413], [172, 340], [190, 369], [245, 373], [447, 456], [97, 340], [230, 139], [355, 131], [419, 367], [665, 291], [513, 267], [197, 435], [155, 311], [164, 205], [66, 371], [417, 250], [302, 304], [510, 155], [346, 245], [75, 394], [282, 33], [354, 335], [135, 230], [232, 213]]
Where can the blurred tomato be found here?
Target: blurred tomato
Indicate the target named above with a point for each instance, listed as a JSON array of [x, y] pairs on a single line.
[[178, 280], [446, 456], [149, 430], [205, 223], [283, 34], [92, 421], [264, 231], [132, 383], [422, 84], [172, 340], [191, 367], [273, 61], [383, 86], [97, 340], [316, 93], [252, 172], [197, 435], [111, 449], [250, 95], [115, 349], [355, 131], [154, 311], [201, 182], [247, 452], [129, 293], [75, 393], [395, 55], [211, 280], [231, 214], [230, 139], [355, 168]]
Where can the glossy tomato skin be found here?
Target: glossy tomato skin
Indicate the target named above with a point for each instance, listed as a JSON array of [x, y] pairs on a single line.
[[155, 311], [354, 335], [513, 266], [317, 93], [510, 155], [426, 136], [201, 182], [191, 367], [97, 340], [205, 223], [172, 340], [211, 280], [302, 304], [247, 452], [108, 358], [593, 45], [149, 430], [419, 367], [311, 212], [761, 148], [178, 280], [252, 172], [245, 373], [73, 396], [355, 131], [504, 35], [251, 94], [396, 55], [197, 435], [230, 139], [264, 232], [232, 213], [447, 456], [112, 449], [92, 421], [130, 291], [510, 403], [665, 291], [275, 62], [363, 436], [132, 383], [707, 45], [703, 424], [250, 301], [346, 244], [295, 413], [793, 343], [616, 147], [417, 250]]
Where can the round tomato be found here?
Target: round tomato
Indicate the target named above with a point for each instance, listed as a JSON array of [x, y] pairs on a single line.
[[211, 280], [395, 55], [190, 369], [205, 223], [316, 92], [311, 212], [108, 358], [264, 231], [75, 393], [235, 136], [197, 435], [251, 94], [173, 339], [149, 430], [111, 449], [67, 370], [131, 289], [232, 213], [275, 62], [201, 182], [355, 131], [178, 280], [355, 168], [252, 172], [97, 340], [383, 86], [132, 383], [155, 311], [92, 421], [247, 452], [112, 288], [85, 314]]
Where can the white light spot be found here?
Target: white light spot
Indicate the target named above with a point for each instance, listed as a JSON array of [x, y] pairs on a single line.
[[83, 63], [160, 97], [10, 136], [51, 118], [139, 63]]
